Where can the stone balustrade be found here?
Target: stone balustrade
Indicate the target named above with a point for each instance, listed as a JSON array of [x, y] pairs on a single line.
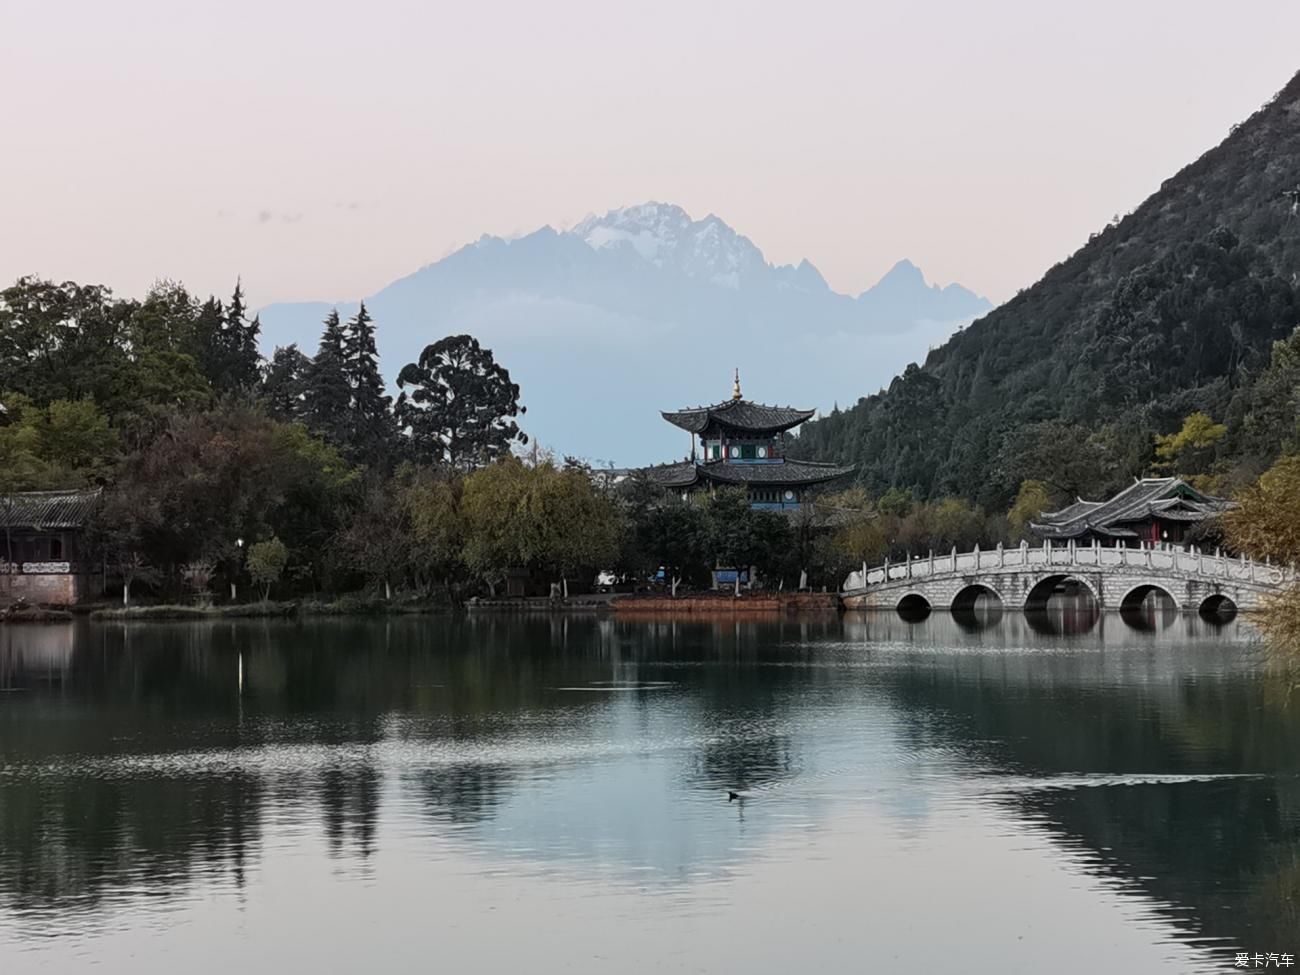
[[1018, 575]]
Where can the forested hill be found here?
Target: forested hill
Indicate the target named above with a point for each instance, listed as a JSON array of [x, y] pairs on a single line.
[[1173, 310]]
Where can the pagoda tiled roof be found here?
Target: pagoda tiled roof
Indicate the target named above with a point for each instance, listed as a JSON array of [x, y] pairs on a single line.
[[739, 414], [47, 510], [1167, 498], [776, 473]]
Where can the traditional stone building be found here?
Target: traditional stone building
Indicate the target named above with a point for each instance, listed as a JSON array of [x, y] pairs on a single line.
[[1151, 511], [738, 443], [41, 546]]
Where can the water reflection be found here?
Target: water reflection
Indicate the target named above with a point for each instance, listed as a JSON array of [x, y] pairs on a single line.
[[133, 762], [980, 610]]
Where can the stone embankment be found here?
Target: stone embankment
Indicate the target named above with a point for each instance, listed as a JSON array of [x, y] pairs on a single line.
[[725, 603]]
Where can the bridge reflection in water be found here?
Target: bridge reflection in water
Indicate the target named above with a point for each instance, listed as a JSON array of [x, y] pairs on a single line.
[[1070, 612]]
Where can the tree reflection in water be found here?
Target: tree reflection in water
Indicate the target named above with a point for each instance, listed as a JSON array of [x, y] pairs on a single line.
[[133, 762]]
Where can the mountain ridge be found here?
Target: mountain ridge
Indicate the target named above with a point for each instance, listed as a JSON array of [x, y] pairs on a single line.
[[645, 307], [1170, 310]]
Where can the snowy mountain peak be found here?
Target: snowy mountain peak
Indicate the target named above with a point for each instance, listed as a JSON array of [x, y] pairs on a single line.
[[665, 235], [904, 272]]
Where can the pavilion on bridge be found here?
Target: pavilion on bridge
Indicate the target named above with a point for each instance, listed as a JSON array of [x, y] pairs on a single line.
[[741, 444], [1151, 511]]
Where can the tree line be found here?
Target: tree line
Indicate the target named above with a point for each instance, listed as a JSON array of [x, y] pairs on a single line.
[[300, 474]]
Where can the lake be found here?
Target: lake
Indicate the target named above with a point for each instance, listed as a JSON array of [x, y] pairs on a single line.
[[545, 794]]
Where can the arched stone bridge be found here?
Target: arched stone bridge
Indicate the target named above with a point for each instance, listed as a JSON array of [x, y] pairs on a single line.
[[1024, 578]]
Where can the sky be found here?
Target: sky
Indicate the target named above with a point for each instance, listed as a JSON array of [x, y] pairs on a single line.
[[320, 150]]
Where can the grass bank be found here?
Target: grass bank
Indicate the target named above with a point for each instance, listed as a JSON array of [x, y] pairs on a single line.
[[343, 606], [22, 613]]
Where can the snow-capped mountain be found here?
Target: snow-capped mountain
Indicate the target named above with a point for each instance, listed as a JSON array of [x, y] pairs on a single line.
[[645, 309], [666, 236]]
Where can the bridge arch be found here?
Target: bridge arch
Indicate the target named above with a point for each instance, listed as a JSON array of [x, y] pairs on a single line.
[[1217, 608], [1135, 597], [976, 606], [968, 596], [1036, 598], [913, 607], [1148, 607]]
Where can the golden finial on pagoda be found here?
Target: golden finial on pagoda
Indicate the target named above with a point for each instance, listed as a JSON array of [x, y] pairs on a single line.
[[735, 388]]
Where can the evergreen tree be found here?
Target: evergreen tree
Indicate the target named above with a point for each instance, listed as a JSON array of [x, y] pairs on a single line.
[[284, 384], [374, 429], [242, 358], [327, 393], [208, 345], [459, 403], [227, 344]]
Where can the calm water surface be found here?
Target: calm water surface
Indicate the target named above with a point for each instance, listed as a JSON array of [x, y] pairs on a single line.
[[543, 795]]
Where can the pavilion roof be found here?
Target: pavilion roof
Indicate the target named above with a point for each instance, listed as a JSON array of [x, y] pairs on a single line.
[[775, 473], [739, 414], [47, 509], [1167, 498]]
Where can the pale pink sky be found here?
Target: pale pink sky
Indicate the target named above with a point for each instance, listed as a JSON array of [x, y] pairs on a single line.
[[323, 149]]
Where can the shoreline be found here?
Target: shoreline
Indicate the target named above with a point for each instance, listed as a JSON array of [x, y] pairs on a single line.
[[623, 605]]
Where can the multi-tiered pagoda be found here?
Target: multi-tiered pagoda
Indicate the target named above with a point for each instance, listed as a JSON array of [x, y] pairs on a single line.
[[738, 443]]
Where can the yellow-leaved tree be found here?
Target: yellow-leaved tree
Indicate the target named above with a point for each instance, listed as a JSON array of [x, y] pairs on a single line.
[[1032, 500], [1265, 524], [1192, 450]]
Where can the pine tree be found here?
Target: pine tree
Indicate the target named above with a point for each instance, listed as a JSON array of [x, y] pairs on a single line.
[[374, 429], [208, 341], [227, 344], [327, 393], [240, 342], [284, 384]]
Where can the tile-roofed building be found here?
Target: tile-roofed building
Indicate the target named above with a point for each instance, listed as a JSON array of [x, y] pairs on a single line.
[[47, 510], [1152, 510], [742, 444], [41, 550]]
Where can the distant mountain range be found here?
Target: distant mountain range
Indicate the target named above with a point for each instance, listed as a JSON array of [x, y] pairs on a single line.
[[645, 309]]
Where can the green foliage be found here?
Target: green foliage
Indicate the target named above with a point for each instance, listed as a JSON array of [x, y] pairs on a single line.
[[1192, 449], [896, 502], [1173, 311], [1265, 524], [226, 344], [327, 394], [862, 533], [667, 531], [740, 536], [459, 404], [1264, 419], [540, 517], [1032, 500], [373, 429], [284, 384], [266, 563], [1069, 459], [408, 531], [227, 473], [939, 526], [61, 341], [64, 444], [431, 501]]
